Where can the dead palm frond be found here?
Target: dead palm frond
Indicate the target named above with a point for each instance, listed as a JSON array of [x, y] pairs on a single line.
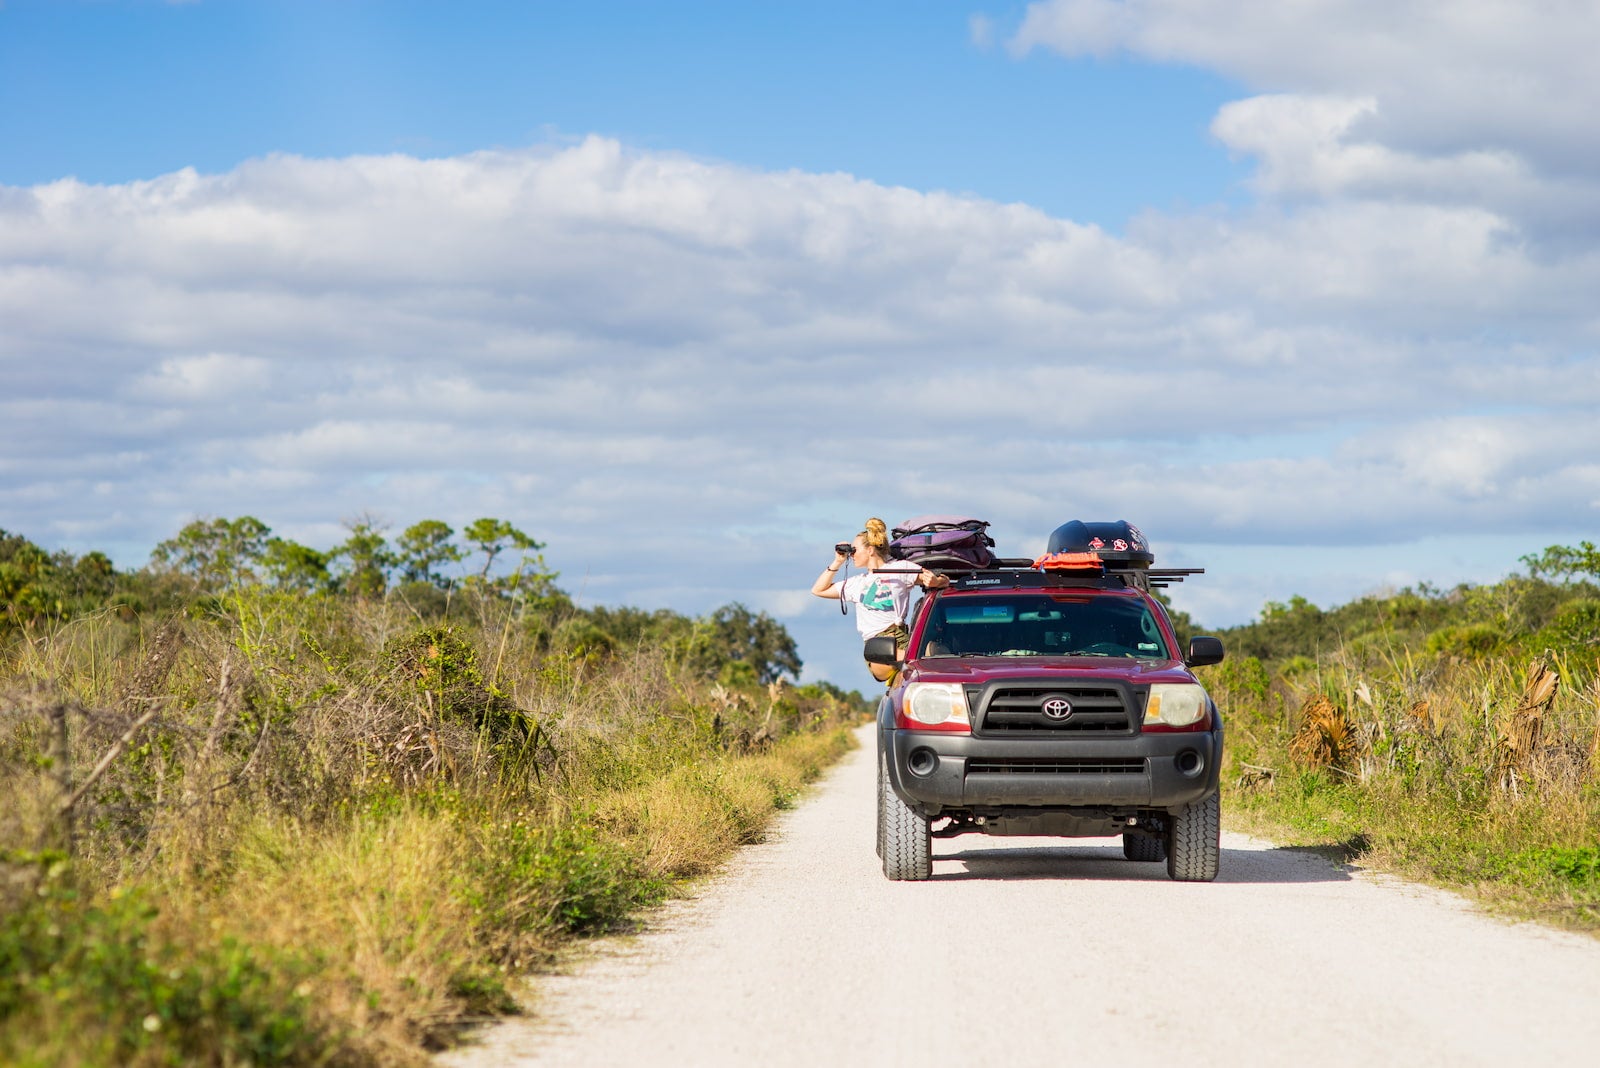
[[1421, 714], [1327, 737], [1518, 744]]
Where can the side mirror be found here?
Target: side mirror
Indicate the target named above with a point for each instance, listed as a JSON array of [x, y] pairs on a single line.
[[881, 650], [1204, 650]]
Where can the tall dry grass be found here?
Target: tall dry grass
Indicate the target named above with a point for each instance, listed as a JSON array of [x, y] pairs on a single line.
[[1480, 773], [306, 829]]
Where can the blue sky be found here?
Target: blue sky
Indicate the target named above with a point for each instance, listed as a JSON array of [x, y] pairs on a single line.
[[689, 290], [898, 93]]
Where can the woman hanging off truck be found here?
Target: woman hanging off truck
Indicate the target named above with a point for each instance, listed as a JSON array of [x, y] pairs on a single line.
[[881, 594]]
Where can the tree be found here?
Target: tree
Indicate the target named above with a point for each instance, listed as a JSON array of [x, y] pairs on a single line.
[[26, 573], [36, 586], [735, 634], [368, 558], [94, 573], [633, 627], [1564, 562], [1296, 628], [494, 536], [531, 583], [216, 553], [293, 566], [424, 547]]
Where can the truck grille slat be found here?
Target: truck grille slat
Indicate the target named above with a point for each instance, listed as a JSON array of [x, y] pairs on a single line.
[[1066, 766]]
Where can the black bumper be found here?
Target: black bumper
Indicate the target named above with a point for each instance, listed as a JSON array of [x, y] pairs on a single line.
[[934, 771]]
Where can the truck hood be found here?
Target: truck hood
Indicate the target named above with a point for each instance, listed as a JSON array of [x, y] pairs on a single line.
[[978, 670]]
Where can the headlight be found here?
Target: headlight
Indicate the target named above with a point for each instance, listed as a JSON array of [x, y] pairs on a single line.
[[935, 704], [1175, 704]]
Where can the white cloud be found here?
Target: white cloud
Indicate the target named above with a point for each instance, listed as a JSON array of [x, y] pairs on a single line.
[[197, 379], [1478, 61], [1476, 102], [688, 376]]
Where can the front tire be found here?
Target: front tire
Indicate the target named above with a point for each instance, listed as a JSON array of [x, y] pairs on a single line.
[[1194, 841], [906, 846]]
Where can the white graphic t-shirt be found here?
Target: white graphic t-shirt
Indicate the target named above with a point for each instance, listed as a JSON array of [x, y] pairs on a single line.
[[881, 598]]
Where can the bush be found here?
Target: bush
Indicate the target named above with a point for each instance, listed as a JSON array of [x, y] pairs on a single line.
[[1296, 666], [108, 980], [1242, 678], [528, 882], [1470, 641], [1576, 865], [1574, 632], [582, 637]]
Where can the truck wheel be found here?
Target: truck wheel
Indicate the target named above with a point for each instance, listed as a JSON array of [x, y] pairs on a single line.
[[1143, 847], [1194, 841], [907, 849]]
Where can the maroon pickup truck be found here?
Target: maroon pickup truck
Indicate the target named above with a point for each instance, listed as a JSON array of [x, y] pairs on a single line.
[[1051, 701]]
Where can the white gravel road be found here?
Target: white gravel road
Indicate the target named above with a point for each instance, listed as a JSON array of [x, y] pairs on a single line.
[[1022, 952]]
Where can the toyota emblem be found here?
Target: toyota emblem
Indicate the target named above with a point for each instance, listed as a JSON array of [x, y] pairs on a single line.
[[1056, 707]]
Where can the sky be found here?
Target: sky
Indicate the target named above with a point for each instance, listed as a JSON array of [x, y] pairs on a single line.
[[688, 291]]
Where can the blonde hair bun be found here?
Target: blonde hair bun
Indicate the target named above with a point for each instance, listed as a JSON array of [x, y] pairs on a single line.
[[877, 533]]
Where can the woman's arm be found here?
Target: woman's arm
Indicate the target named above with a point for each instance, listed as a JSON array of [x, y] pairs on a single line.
[[824, 586], [932, 579]]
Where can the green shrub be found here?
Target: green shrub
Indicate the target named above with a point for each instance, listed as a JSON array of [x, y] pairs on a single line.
[[442, 667], [1296, 666], [103, 981], [583, 638], [1239, 678], [1575, 865], [738, 675], [1573, 633], [530, 882], [1470, 641]]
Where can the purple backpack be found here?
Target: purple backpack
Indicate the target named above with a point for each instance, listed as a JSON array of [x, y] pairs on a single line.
[[953, 542]]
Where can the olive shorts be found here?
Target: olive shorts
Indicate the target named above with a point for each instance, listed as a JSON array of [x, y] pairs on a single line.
[[901, 636]]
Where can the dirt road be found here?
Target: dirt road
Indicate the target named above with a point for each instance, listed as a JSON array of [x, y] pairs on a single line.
[[1022, 952]]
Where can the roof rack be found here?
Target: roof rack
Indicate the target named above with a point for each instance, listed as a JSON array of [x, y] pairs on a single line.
[[1166, 576], [1078, 554], [1020, 573]]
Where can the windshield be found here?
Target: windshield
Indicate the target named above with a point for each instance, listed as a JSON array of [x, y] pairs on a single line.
[[1042, 625]]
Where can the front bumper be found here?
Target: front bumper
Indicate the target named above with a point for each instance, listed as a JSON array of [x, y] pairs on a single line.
[[935, 771]]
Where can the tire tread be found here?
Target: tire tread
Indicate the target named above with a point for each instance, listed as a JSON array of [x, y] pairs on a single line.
[[907, 849], [1194, 841]]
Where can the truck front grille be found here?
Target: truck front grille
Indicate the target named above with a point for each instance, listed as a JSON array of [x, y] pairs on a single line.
[[1096, 709]]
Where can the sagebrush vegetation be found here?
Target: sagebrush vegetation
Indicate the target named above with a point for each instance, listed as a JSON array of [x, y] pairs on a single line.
[[1449, 735], [261, 804]]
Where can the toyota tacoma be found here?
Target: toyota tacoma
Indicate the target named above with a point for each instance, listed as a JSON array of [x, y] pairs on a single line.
[[1051, 698]]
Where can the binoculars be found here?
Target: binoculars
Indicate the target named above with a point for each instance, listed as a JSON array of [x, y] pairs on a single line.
[[844, 548]]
